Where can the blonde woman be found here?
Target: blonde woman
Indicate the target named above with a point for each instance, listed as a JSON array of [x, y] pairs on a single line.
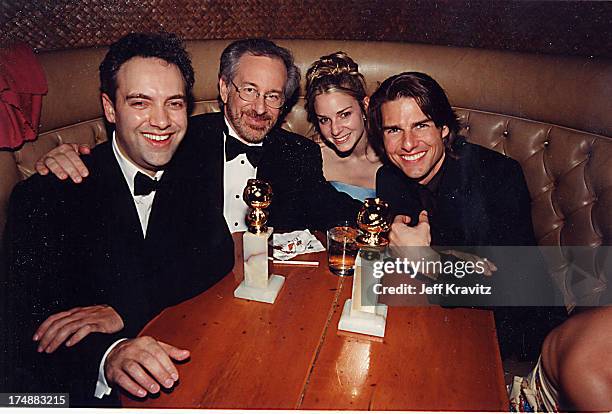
[[336, 103]]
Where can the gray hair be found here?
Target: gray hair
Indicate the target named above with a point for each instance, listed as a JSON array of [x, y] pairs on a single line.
[[259, 47]]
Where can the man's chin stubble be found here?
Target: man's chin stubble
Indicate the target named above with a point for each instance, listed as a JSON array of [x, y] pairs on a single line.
[[254, 135]]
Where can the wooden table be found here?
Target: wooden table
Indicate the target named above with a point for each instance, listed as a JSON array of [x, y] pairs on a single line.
[[291, 355]]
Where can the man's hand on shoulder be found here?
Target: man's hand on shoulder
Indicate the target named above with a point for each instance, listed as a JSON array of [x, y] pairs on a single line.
[[74, 325], [142, 364], [64, 161]]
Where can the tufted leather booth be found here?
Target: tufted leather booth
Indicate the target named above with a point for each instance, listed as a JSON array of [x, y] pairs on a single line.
[[553, 114]]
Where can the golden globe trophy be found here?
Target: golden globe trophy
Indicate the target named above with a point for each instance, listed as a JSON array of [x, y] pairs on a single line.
[[256, 284], [258, 196], [362, 313], [373, 219]]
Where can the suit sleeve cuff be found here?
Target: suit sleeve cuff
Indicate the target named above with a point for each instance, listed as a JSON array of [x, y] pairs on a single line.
[[102, 387]]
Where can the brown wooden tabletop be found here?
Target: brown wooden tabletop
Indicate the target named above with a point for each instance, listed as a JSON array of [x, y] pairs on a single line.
[[290, 354]]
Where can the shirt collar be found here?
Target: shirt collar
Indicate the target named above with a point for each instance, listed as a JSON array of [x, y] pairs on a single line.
[[128, 168]]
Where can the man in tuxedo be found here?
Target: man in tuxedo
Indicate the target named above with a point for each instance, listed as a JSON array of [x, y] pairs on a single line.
[[257, 82], [90, 265]]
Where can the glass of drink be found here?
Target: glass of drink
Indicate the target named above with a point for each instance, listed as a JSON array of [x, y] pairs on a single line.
[[342, 249]]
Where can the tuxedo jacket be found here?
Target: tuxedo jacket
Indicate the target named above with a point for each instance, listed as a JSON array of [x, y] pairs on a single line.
[[291, 164], [78, 245], [482, 200]]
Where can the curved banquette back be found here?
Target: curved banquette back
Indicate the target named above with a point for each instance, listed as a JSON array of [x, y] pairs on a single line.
[[553, 114]]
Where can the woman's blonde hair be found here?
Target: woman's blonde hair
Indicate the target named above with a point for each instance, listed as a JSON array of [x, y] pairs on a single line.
[[336, 72]]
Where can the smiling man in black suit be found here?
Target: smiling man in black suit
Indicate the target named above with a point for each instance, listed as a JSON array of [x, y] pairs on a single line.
[[257, 82], [91, 264], [445, 191]]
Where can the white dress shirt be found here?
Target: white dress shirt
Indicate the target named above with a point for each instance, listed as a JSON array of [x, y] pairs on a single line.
[[143, 202], [236, 173], [143, 205]]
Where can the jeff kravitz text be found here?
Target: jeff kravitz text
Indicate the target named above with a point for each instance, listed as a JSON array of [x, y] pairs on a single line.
[[412, 268], [435, 289]]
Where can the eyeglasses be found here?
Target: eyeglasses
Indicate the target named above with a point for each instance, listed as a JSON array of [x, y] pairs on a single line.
[[274, 100]]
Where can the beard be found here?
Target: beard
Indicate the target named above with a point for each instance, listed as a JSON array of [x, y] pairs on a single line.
[[249, 132]]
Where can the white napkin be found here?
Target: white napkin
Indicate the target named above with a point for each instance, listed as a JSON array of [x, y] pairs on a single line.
[[288, 245]]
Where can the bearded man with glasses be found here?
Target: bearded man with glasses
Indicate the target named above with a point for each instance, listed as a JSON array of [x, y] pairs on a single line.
[[257, 83]]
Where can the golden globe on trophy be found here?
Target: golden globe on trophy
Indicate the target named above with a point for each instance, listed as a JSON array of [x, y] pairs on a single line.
[[373, 219], [258, 196], [257, 284]]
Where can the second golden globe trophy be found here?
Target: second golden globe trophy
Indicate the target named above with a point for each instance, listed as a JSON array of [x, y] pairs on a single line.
[[256, 284], [362, 313]]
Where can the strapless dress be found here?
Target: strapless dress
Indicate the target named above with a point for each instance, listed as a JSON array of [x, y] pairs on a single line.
[[358, 193]]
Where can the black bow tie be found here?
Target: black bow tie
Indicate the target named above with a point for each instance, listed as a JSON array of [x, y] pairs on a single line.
[[144, 185], [234, 147]]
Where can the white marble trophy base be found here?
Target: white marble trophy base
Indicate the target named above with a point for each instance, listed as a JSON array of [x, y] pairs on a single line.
[[367, 323], [256, 284], [261, 294]]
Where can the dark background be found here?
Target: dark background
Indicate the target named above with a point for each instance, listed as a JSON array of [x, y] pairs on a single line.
[[582, 28]]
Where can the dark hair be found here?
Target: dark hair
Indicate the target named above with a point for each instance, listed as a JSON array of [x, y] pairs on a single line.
[[428, 95], [166, 46], [333, 73], [259, 47]]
